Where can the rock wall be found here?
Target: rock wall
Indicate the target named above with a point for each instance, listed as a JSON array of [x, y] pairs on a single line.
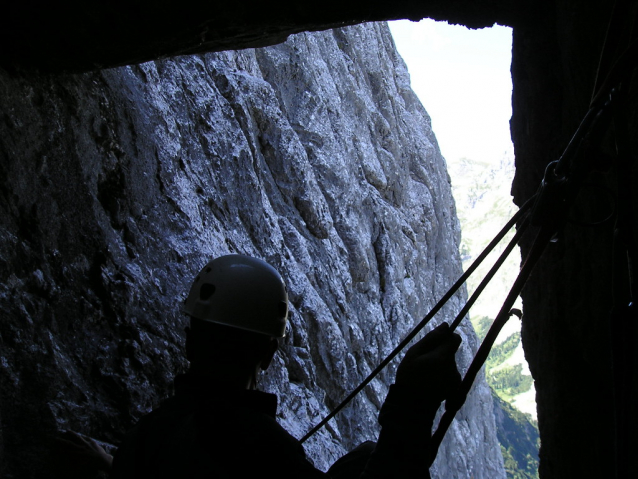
[[567, 331], [117, 186]]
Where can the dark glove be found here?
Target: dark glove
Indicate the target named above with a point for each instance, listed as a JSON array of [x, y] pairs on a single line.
[[429, 367], [425, 377]]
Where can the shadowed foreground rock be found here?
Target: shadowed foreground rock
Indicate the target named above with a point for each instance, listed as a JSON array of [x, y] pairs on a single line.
[[117, 186]]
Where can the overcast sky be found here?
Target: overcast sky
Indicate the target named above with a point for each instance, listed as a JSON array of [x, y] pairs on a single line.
[[463, 79]]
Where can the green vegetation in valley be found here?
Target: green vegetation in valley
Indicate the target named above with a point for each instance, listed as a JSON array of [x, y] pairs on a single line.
[[517, 432], [519, 440], [506, 380], [509, 381], [481, 326]]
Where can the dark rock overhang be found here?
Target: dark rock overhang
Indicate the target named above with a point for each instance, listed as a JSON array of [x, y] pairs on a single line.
[[81, 36]]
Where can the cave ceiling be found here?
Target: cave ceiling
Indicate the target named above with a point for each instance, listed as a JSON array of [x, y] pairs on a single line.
[[80, 36]]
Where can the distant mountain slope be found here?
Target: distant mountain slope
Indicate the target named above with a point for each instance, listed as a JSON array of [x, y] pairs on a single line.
[[484, 205], [483, 202]]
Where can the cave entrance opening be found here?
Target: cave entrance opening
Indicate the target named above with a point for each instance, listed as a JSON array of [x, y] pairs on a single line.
[[463, 79]]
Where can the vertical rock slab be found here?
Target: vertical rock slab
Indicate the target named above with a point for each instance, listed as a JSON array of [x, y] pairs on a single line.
[[567, 331], [117, 186]]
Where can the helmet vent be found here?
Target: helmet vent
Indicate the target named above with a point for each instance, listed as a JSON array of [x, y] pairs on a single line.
[[206, 291], [283, 309]]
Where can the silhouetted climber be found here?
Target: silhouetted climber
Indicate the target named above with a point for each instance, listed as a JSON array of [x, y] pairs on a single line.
[[218, 425]]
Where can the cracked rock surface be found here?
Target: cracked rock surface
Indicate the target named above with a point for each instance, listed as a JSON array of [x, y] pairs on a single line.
[[117, 186]]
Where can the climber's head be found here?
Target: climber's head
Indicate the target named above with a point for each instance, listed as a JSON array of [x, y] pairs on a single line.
[[238, 307]]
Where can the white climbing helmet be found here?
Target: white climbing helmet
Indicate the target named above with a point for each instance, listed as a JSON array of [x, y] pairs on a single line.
[[242, 292]]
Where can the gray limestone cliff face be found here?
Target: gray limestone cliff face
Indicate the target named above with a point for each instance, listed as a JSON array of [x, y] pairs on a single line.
[[117, 186]]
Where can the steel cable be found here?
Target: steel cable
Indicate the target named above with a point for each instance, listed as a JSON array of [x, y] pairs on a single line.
[[452, 405], [446, 297]]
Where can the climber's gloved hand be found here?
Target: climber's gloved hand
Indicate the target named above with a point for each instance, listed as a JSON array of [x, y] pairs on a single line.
[[426, 376], [429, 367]]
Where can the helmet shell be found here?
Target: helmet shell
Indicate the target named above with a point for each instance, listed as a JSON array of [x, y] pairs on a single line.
[[242, 292]]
